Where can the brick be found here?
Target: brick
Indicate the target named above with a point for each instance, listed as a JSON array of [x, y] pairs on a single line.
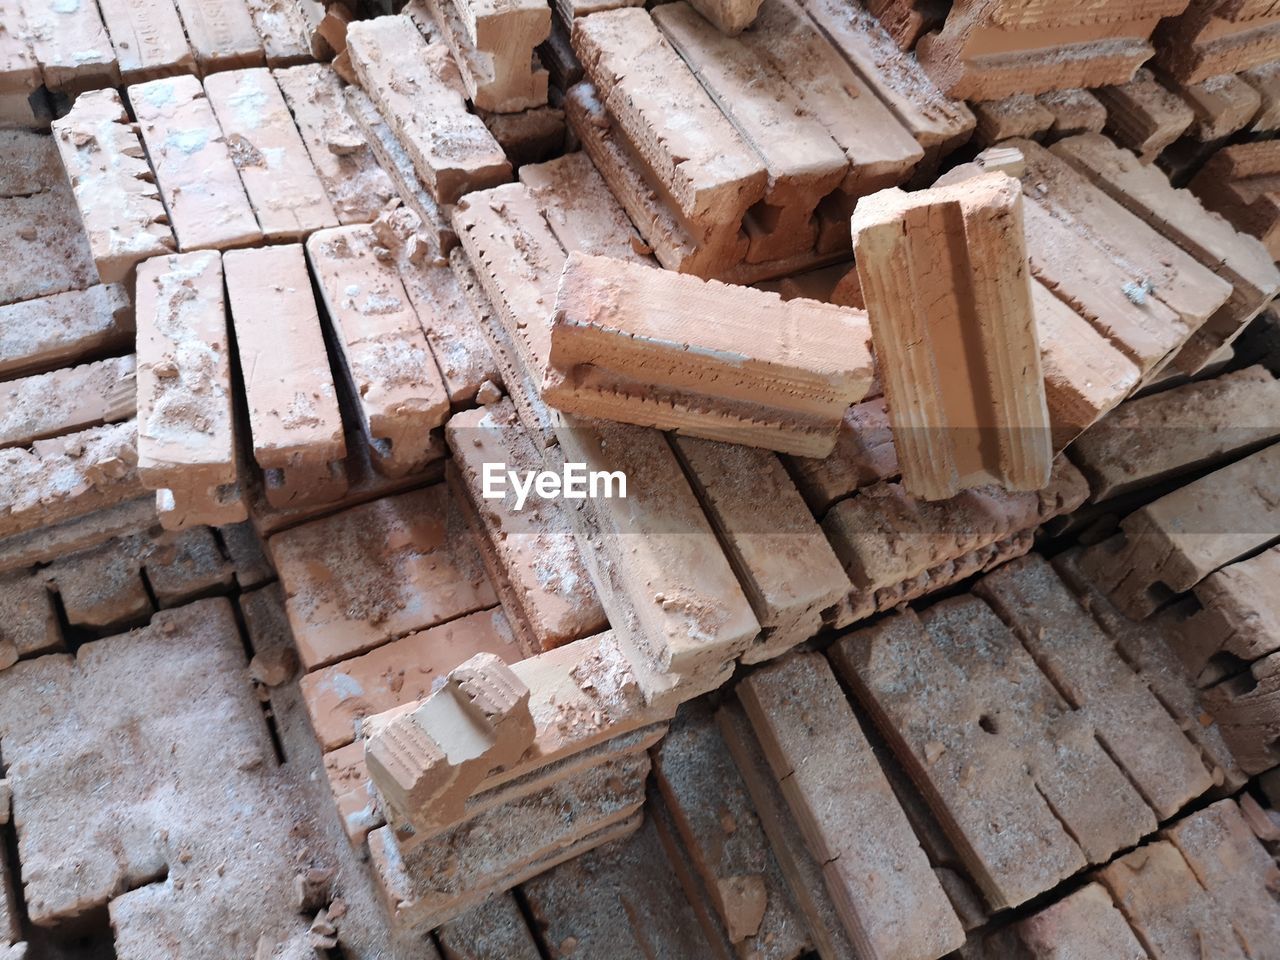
[[222, 34], [617, 901], [999, 754], [493, 45], [452, 151], [394, 566], [1237, 622], [148, 38], [297, 433], [402, 396], [67, 400], [353, 792], [804, 164], [1168, 546], [1178, 215], [21, 101], [1222, 105], [68, 476], [590, 319], [1144, 116], [710, 173], [1247, 709], [1136, 730], [730, 17], [114, 188], [530, 136], [496, 928], [1019, 115], [404, 671], [356, 185], [284, 30], [887, 896], [50, 332], [938, 123], [45, 245], [193, 166], [28, 625], [802, 871], [864, 454], [1207, 41], [1242, 183], [1265, 78], [784, 563], [580, 210], [286, 194], [1084, 925], [1075, 111], [102, 589], [502, 847], [721, 831], [1177, 431], [185, 566], [187, 431], [71, 44], [949, 436], [532, 555]]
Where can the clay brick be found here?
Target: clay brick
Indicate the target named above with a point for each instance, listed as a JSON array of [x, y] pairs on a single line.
[[730, 17], [617, 901], [44, 244], [1223, 105], [803, 873], [293, 406], [67, 400], [404, 671], [21, 101], [950, 435], [396, 162], [102, 589], [784, 563], [1074, 112], [393, 566], [493, 45], [531, 136], [148, 38], [1149, 647], [284, 30], [222, 34], [1238, 620], [187, 431], [532, 555], [496, 928], [1179, 216], [864, 454], [804, 164], [1144, 116], [71, 45], [193, 166], [1167, 547], [10, 924], [710, 173], [50, 332], [885, 892], [1265, 78], [286, 194], [939, 123], [1085, 925], [721, 831], [1247, 709], [68, 476], [451, 149], [1242, 183], [402, 396], [506, 845], [1209, 39], [717, 324], [1019, 115], [114, 188], [1136, 730], [999, 755], [28, 626], [353, 792], [187, 565], [1178, 431], [357, 187]]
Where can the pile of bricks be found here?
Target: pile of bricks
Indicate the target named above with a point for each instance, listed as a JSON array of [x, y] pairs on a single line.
[[919, 358]]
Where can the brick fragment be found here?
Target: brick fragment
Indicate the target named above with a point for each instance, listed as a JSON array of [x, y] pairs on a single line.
[[222, 34], [148, 38], [193, 166], [532, 555], [187, 433], [394, 566], [401, 394], [1180, 430], [67, 400], [797, 393], [293, 407], [887, 896], [493, 45], [357, 186], [71, 45], [451, 149], [286, 194], [114, 188]]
